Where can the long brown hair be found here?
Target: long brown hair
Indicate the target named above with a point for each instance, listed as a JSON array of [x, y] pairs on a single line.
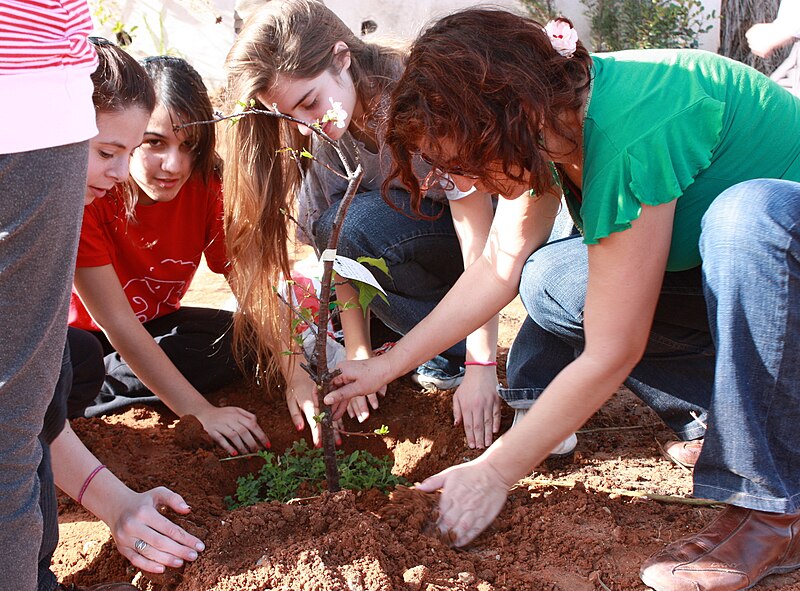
[[484, 80], [293, 39]]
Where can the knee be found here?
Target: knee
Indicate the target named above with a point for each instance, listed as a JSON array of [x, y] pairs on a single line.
[[553, 285], [750, 213]]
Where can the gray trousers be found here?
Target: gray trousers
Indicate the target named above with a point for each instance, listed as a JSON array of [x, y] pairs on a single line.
[[41, 206]]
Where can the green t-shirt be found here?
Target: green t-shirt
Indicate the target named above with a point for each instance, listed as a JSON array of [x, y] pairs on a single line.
[[686, 124]]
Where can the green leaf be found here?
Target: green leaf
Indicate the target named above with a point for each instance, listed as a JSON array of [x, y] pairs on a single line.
[[306, 154], [367, 293], [378, 263]]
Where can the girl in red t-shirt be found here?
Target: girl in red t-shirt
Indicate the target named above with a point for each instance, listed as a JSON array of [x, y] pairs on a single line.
[[136, 262]]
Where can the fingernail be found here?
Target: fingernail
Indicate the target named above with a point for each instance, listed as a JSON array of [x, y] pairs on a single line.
[[200, 546], [299, 427], [184, 506], [234, 453], [269, 445], [177, 563], [192, 555]]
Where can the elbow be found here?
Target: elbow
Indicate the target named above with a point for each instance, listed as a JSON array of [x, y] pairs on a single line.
[[618, 359]]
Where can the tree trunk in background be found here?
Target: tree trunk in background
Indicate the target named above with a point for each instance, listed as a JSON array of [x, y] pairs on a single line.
[[736, 16]]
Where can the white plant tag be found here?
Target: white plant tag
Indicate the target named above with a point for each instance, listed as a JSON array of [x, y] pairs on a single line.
[[350, 269]]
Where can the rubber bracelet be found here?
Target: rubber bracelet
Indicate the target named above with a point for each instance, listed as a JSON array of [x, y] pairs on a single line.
[[87, 482], [483, 363]]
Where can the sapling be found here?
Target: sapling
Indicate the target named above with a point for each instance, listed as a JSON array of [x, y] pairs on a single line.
[[317, 363]]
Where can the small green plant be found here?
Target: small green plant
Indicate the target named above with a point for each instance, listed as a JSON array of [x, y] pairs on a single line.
[[647, 24], [281, 476]]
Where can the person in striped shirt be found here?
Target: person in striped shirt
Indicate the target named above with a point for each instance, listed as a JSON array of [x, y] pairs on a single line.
[[46, 100]]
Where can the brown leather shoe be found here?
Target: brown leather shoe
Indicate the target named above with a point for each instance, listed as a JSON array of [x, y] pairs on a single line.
[[735, 551], [100, 587], [684, 453]]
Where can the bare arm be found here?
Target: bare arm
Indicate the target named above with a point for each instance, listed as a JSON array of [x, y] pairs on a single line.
[[128, 514], [475, 402], [358, 345], [520, 226], [625, 275], [100, 290]]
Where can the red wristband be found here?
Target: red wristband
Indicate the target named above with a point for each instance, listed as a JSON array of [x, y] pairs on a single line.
[[482, 363], [87, 482]]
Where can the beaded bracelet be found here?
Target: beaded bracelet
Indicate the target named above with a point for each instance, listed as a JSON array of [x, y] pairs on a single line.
[[482, 363], [87, 481]]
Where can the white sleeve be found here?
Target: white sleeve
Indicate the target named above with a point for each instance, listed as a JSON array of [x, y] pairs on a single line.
[[789, 16]]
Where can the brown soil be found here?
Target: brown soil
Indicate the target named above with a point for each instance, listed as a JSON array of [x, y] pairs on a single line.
[[575, 526]]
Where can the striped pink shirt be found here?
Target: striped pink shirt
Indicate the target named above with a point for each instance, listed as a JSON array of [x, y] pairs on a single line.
[[45, 65], [44, 34]]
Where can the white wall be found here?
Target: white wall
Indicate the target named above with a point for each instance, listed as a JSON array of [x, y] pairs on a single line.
[[188, 28]]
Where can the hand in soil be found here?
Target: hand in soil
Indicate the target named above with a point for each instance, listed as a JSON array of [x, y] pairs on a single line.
[[234, 429], [477, 405], [358, 407], [301, 398], [137, 517], [358, 378], [472, 496]]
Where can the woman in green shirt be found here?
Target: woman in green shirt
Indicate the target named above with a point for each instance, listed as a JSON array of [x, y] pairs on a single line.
[[681, 171]]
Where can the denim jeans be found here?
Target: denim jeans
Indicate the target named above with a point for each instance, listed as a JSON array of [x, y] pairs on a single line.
[[423, 256], [725, 343]]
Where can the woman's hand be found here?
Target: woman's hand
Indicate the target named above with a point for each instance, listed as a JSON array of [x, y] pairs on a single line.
[[234, 429], [358, 407], [477, 405], [472, 496], [137, 517], [303, 403], [358, 378], [765, 38]]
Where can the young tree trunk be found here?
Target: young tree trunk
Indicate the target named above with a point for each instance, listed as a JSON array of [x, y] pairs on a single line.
[[324, 378]]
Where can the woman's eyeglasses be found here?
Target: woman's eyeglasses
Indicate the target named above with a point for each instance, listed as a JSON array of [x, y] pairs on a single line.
[[442, 177]]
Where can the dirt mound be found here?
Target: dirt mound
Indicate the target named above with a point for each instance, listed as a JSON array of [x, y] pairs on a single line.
[[579, 525]]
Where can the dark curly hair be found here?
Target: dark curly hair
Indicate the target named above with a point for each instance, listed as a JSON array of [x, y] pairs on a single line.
[[487, 81]]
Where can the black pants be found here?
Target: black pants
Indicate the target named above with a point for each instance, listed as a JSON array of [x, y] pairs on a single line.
[[196, 340]]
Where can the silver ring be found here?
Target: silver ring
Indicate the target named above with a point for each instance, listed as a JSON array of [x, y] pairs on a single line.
[[140, 545]]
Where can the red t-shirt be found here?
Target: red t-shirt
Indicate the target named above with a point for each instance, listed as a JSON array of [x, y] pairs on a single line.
[[156, 254]]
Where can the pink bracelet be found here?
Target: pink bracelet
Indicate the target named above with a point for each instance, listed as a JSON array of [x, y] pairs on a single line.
[[87, 481], [482, 363]]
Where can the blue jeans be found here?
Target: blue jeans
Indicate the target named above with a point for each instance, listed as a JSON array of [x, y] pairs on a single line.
[[724, 344], [423, 256]]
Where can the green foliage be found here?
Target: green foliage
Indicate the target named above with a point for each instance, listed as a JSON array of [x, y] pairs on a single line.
[[646, 24], [281, 476], [382, 430], [367, 292], [377, 263], [541, 10]]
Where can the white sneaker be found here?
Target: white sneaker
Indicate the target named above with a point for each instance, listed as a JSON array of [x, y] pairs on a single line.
[[564, 448], [434, 382]]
